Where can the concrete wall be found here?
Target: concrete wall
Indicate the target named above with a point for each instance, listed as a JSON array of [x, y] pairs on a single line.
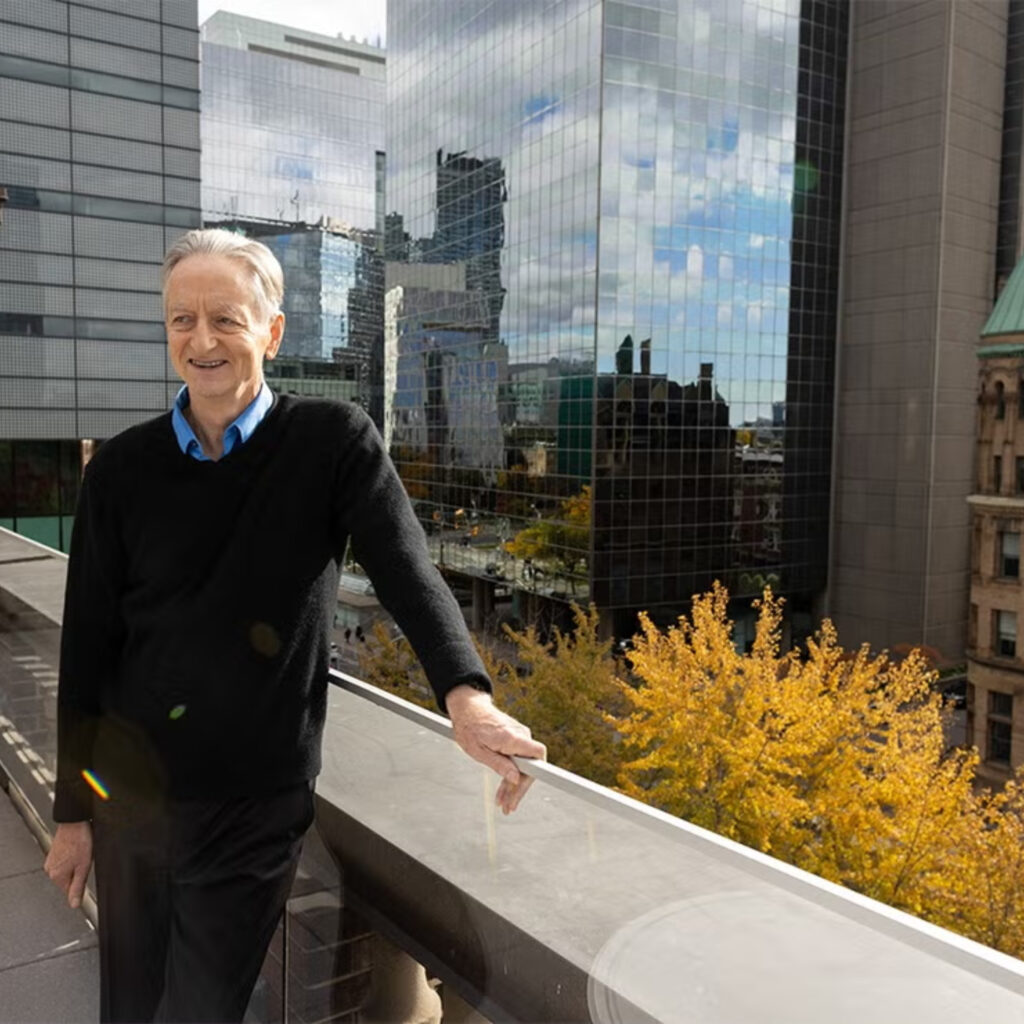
[[925, 139]]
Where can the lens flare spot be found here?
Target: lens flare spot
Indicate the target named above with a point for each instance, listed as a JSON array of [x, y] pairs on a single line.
[[176, 712], [264, 639], [97, 787], [805, 176]]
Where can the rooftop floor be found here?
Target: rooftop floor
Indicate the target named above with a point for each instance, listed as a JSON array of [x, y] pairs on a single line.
[[49, 962]]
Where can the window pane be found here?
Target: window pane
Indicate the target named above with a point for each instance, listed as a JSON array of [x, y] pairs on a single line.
[[36, 479], [43, 529], [1000, 704], [1008, 624], [1006, 634], [7, 480], [1009, 545], [999, 742]]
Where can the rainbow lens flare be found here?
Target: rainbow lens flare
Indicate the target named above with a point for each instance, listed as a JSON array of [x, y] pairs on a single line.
[[97, 787]]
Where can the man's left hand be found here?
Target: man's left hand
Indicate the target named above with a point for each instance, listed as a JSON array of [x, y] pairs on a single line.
[[489, 736]]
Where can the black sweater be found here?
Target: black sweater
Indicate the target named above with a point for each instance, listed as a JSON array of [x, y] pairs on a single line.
[[194, 651]]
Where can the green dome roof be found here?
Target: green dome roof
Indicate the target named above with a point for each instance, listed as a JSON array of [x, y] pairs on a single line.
[[1008, 315]]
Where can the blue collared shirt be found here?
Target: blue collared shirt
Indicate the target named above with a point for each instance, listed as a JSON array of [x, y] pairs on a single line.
[[239, 429]]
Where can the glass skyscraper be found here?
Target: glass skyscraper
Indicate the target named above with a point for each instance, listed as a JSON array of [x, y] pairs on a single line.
[[293, 140], [333, 313], [623, 375], [99, 153]]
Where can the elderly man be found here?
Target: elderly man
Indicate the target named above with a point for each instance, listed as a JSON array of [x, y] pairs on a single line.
[[193, 681]]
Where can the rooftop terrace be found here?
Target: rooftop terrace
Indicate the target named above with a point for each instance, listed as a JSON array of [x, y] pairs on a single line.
[[583, 906]]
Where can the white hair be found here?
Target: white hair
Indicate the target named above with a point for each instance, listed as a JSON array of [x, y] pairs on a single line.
[[262, 264]]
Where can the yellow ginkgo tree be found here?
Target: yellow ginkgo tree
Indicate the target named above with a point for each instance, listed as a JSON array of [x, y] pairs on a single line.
[[832, 761]]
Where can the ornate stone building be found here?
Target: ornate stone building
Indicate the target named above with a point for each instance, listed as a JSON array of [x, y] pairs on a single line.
[[995, 643]]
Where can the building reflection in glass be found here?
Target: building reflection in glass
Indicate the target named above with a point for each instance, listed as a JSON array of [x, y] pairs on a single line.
[[636, 210], [333, 313], [292, 128]]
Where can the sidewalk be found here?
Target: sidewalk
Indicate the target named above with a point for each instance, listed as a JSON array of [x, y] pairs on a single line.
[[49, 963]]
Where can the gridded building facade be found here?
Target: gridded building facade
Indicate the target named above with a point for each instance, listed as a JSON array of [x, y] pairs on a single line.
[[99, 152], [293, 139], [658, 274], [333, 306], [293, 124]]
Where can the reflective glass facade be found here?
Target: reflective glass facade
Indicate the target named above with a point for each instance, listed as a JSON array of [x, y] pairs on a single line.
[[293, 139], [99, 153], [613, 246], [333, 314], [292, 124]]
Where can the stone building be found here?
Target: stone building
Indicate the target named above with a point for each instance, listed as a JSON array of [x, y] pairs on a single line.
[[995, 666]]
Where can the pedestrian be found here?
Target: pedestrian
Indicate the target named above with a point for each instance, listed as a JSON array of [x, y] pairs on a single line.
[[360, 636], [348, 634], [194, 653]]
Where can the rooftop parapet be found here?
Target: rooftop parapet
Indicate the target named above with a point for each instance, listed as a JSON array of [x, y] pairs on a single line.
[[583, 906]]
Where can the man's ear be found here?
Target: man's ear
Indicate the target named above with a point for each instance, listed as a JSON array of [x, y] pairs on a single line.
[[276, 335]]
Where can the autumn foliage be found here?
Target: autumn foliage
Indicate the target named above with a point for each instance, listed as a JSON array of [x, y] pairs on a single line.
[[833, 761], [569, 696], [390, 664], [561, 542], [836, 764]]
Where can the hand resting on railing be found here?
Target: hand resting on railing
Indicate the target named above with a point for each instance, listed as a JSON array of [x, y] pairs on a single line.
[[489, 735]]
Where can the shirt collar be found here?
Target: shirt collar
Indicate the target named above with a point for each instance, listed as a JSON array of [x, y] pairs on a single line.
[[238, 431]]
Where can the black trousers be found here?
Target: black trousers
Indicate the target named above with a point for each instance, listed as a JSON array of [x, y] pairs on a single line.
[[189, 895]]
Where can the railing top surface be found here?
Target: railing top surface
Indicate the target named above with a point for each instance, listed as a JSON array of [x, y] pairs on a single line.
[[662, 915]]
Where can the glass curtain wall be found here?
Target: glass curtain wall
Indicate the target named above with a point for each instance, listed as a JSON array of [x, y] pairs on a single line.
[[610, 320], [293, 137], [287, 140], [99, 156]]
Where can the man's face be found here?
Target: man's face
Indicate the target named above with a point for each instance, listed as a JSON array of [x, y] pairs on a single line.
[[215, 331]]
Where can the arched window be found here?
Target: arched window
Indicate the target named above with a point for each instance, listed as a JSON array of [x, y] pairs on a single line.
[[1000, 400]]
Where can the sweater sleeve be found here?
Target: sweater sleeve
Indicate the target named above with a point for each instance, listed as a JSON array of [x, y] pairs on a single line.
[[91, 639], [389, 543]]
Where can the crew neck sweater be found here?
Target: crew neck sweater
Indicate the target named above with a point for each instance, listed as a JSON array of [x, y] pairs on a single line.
[[199, 597]]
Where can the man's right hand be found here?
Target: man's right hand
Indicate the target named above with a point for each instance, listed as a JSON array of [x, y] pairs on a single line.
[[70, 858]]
